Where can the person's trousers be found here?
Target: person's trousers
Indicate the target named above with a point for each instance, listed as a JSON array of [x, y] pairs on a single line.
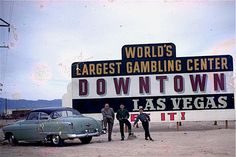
[[146, 129], [110, 127], [126, 122]]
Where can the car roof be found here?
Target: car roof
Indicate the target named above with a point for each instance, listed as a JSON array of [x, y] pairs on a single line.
[[49, 110]]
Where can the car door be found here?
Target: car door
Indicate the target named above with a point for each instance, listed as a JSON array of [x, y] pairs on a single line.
[[29, 129], [46, 125], [54, 125]]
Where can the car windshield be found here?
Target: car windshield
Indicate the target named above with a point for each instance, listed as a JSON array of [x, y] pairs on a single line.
[[64, 113]]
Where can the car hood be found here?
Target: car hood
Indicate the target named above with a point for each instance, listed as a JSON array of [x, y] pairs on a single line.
[[12, 125]]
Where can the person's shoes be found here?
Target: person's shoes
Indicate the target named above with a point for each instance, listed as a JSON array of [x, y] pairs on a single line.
[[146, 138], [131, 136], [109, 139], [104, 131], [151, 139], [122, 139]]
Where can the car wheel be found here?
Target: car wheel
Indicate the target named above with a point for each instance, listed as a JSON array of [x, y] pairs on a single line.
[[12, 140], [86, 140], [56, 140]]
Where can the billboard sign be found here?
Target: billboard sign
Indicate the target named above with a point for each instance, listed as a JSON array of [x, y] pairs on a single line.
[[169, 88]]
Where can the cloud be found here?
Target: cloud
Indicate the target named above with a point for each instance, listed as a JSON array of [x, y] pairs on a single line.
[[41, 73], [65, 61]]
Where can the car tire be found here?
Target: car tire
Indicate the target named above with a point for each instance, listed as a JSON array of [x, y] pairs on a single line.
[[12, 140], [56, 140], [86, 140]]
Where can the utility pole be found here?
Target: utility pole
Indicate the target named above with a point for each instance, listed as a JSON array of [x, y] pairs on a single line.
[[1, 85], [5, 112], [1, 104], [4, 24]]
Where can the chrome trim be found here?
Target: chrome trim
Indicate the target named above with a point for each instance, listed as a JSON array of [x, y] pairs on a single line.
[[74, 135], [82, 135]]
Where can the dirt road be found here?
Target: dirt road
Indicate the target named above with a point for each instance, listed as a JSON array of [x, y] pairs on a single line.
[[195, 139]]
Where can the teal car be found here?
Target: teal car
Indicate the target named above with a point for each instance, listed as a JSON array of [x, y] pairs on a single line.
[[53, 125]]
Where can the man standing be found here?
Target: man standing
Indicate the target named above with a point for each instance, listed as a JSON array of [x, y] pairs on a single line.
[[123, 115], [144, 118], [108, 119]]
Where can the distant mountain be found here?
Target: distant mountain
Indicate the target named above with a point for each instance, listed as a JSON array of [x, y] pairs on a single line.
[[28, 104]]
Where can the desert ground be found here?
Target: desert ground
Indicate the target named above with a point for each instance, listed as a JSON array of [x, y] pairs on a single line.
[[195, 139]]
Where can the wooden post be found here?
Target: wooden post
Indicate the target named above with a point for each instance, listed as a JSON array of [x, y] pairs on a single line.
[[226, 124]]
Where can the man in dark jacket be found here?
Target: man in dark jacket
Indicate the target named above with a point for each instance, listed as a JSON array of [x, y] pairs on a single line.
[[144, 118], [123, 115]]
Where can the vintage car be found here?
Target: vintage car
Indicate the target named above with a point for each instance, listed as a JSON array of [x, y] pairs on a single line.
[[53, 125]]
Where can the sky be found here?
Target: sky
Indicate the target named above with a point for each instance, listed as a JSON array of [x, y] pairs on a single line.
[[47, 36]]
